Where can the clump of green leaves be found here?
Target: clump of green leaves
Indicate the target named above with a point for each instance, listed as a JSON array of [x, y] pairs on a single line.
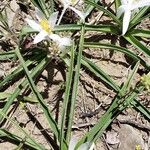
[[50, 43]]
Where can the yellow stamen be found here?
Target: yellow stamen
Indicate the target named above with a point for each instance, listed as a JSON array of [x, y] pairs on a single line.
[[45, 25]]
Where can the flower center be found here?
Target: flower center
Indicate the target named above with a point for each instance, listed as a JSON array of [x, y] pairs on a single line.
[[45, 25]]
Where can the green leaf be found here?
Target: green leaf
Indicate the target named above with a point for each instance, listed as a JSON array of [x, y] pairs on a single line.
[[140, 33], [74, 27], [113, 111], [133, 40], [140, 108], [40, 99], [16, 139], [75, 84], [42, 6], [107, 12], [117, 48], [32, 61], [4, 20], [66, 98], [22, 131], [100, 28], [7, 55], [34, 73], [4, 95], [127, 84], [137, 18], [89, 8], [117, 4], [99, 73]]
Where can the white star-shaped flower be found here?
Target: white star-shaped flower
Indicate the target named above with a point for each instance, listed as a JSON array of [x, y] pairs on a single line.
[[71, 4], [127, 7], [45, 28]]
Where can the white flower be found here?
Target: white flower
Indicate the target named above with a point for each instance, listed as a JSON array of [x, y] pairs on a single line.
[[45, 28], [127, 7], [62, 42], [58, 46], [70, 4], [84, 146]]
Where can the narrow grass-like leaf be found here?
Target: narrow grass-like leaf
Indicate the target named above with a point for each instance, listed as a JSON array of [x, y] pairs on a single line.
[[40, 99], [52, 6], [100, 28], [66, 98], [7, 55], [3, 20], [42, 6], [140, 33], [99, 73], [19, 70], [133, 40], [113, 29], [126, 86], [117, 48], [114, 110], [20, 146], [107, 12], [26, 30], [138, 16], [4, 95], [139, 20], [16, 139], [118, 105], [138, 89], [75, 84], [140, 108], [23, 131], [35, 72], [89, 8], [117, 4]]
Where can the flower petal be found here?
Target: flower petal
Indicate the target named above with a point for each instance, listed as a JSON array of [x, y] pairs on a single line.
[[84, 146], [92, 146], [124, 2], [126, 20], [61, 41], [79, 13], [41, 36], [55, 37], [52, 19], [121, 10], [61, 16], [40, 16], [33, 24], [140, 4], [66, 3], [65, 41], [72, 143]]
